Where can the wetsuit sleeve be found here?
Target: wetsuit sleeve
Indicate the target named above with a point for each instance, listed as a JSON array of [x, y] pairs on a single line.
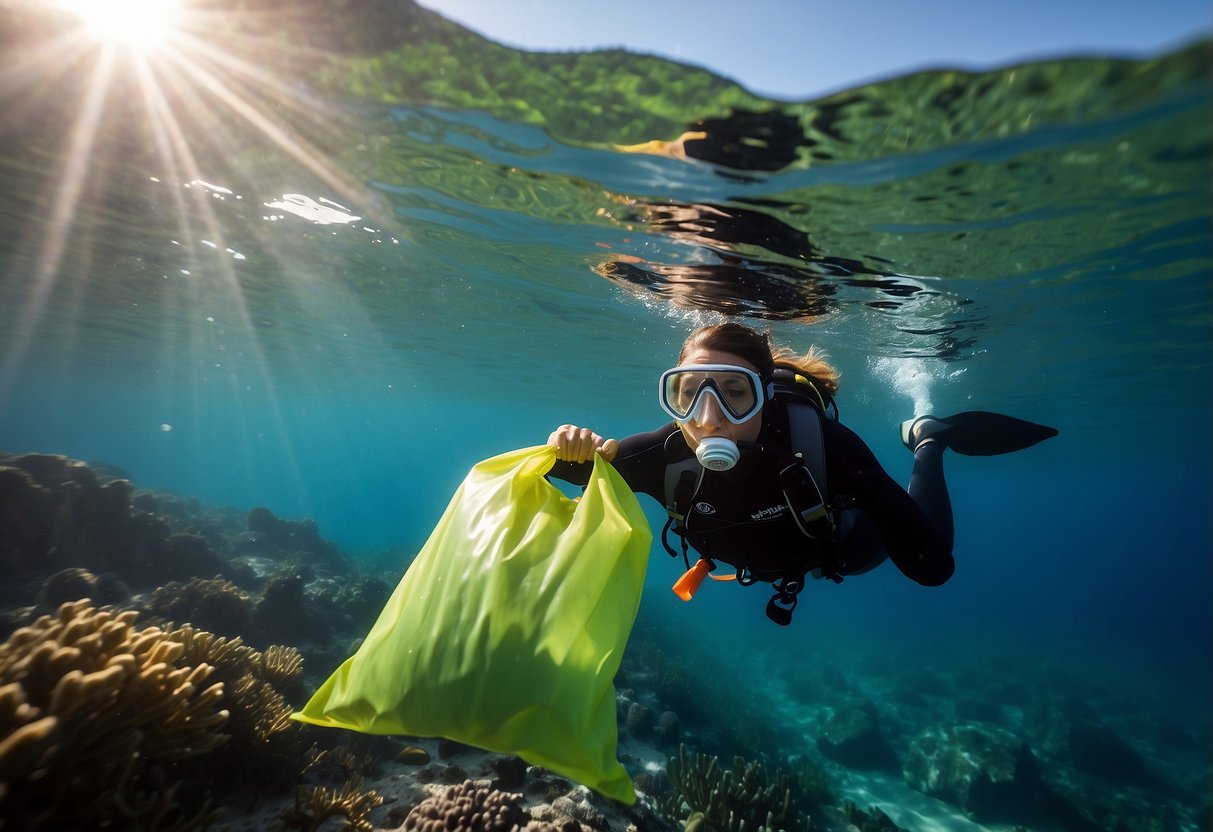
[[640, 461], [915, 544]]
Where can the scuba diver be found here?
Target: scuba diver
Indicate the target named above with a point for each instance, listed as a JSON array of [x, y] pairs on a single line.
[[757, 473]]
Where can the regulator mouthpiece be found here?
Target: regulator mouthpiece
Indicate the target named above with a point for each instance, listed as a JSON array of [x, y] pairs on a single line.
[[717, 453]]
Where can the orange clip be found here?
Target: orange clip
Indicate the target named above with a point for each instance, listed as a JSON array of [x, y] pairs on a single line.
[[686, 586]]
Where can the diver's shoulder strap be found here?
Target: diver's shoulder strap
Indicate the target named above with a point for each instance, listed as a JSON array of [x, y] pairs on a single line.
[[804, 477], [681, 482], [808, 442]]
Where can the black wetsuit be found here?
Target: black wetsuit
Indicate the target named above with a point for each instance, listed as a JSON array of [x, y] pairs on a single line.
[[740, 517]]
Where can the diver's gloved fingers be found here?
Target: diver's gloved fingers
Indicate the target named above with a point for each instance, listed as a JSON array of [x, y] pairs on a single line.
[[981, 433]]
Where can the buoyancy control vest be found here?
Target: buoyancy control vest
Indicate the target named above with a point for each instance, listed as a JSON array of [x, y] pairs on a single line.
[[800, 460]]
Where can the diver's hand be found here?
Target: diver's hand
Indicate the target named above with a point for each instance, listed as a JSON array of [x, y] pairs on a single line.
[[574, 444]]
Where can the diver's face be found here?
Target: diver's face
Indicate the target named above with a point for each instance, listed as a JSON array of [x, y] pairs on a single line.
[[710, 421]]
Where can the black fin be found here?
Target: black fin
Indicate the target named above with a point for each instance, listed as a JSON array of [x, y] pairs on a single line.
[[981, 433]]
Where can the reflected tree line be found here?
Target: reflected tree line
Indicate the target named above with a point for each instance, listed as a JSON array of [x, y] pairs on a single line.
[[748, 261]]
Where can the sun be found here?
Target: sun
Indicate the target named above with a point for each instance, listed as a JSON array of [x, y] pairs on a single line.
[[141, 25]]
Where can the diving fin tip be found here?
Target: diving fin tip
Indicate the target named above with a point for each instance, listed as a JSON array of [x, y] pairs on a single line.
[[982, 433]]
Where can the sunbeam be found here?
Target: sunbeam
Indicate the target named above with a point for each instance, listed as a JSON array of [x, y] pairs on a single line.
[[268, 126], [67, 194], [142, 87], [142, 102]]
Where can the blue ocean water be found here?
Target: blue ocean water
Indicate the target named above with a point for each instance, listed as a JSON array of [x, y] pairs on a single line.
[[339, 324]]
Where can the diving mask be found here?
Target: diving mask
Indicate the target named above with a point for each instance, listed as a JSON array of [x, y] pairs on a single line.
[[738, 391]]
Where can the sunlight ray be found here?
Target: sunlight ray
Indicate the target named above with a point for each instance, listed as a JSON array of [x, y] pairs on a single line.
[[328, 173], [175, 150], [179, 119], [259, 76], [62, 215], [42, 65]]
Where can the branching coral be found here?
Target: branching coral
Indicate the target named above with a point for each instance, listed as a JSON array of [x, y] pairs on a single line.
[[281, 667], [263, 736], [741, 798], [90, 709], [227, 655], [103, 724], [314, 806], [340, 759]]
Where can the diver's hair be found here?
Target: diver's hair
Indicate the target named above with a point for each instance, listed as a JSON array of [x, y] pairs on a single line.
[[755, 347], [813, 364]]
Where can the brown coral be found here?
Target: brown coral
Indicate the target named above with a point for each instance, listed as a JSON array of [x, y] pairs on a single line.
[[266, 745], [90, 708], [313, 806], [93, 711], [467, 807], [282, 667]]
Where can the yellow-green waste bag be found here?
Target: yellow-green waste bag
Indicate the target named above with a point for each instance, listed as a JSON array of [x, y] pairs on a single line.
[[507, 630]]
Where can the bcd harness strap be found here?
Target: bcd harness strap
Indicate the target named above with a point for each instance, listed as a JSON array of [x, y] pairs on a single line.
[[802, 478]]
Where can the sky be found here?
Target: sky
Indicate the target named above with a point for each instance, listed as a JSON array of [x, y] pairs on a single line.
[[800, 49]]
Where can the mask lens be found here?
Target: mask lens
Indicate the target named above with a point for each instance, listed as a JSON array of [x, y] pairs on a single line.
[[686, 387], [735, 389]]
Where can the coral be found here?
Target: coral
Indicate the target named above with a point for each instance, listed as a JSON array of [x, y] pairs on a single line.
[[92, 711], [740, 798], [267, 712], [578, 805], [282, 667], [56, 514], [313, 806], [215, 605], [266, 744], [669, 725], [639, 719], [469, 808], [106, 725]]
